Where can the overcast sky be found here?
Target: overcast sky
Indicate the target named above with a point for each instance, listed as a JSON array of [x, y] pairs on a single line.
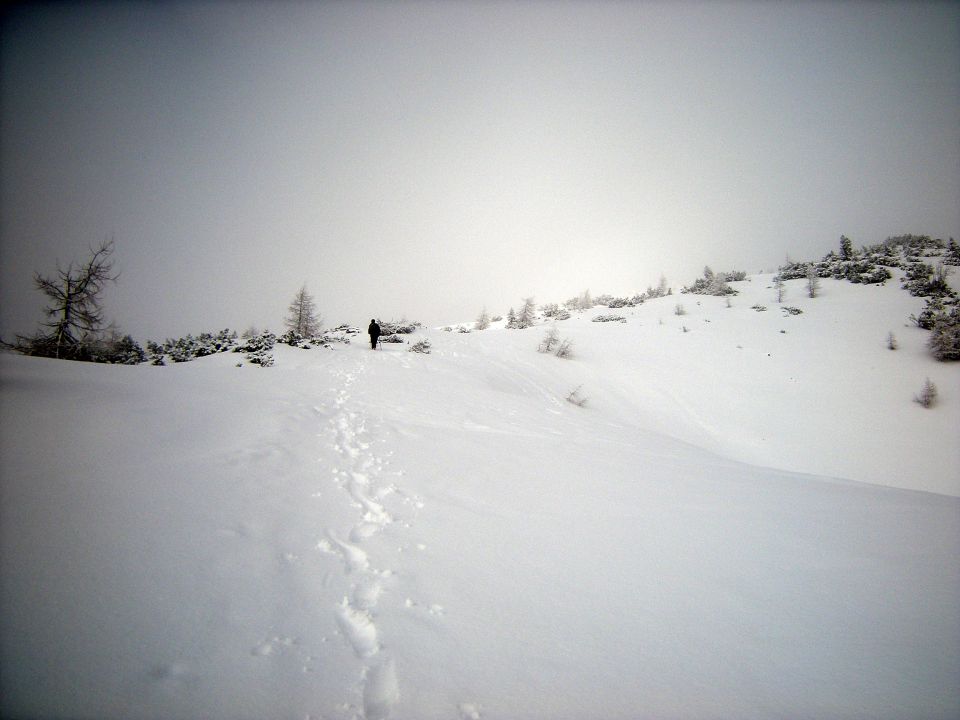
[[427, 159]]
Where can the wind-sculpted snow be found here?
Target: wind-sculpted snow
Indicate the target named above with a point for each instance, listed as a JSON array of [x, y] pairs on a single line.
[[360, 535]]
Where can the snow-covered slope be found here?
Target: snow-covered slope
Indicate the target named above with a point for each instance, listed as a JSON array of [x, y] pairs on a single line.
[[817, 392], [358, 534]]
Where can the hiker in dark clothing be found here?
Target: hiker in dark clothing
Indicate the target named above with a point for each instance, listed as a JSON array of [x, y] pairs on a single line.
[[374, 331]]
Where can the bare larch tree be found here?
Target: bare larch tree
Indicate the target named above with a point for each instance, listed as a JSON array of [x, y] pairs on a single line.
[[75, 312], [302, 315]]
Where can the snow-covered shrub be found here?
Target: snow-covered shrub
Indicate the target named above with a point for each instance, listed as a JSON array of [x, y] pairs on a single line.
[[118, 351], [346, 330], [257, 349], [189, 347], [916, 277], [391, 338], [917, 245], [483, 320], [759, 308], [155, 353], [584, 301], [891, 341], [679, 309], [264, 341], [550, 310], [857, 270], [932, 311], [952, 256], [576, 397], [876, 276], [127, 351], [496, 318], [463, 329], [788, 310], [861, 270], [527, 315], [884, 255], [565, 349], [794, 270], [295, 339], [944, 340], [550, 340], [262, 358], [398, 328], [710, 284], [183, 349], [660, 291], [922, 280], [927, 396], [813, 283], [421, 346], [327, 339], [610, 317]]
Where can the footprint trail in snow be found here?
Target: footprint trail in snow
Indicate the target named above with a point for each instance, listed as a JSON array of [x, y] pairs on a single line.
[[355, 615]]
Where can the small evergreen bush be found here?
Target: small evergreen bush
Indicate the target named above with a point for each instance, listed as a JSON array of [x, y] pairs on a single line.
[[927, 397], [189, 347], [257, 349], [712, 283], [118, 351], [295, 339], [550, 340], [944, 340]]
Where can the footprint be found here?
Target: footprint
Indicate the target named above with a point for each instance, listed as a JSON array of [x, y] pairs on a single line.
[[373, 511], [359, 629], [365, 530], [380, 690], [353, 557], [367, 593]]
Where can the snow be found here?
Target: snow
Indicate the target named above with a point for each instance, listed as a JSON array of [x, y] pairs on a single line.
[[740, 522]]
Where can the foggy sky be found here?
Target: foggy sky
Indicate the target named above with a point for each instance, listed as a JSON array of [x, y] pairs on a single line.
[[424, 159]]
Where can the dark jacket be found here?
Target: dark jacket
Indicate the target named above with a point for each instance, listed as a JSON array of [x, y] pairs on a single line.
[[374, 330]]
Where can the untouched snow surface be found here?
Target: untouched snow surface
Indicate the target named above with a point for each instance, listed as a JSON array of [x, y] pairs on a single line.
[[358, 534]]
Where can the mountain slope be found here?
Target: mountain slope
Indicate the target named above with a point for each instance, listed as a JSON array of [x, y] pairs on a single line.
[[357, 534]]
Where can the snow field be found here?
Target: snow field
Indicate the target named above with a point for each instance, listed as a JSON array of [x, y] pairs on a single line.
[[355, 535]]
